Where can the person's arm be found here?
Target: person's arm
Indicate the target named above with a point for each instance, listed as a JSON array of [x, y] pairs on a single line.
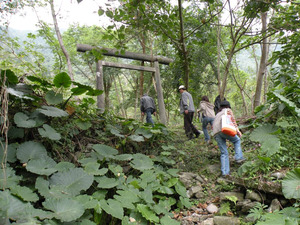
[[229, 112]]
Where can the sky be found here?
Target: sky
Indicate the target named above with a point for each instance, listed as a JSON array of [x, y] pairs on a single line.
[[69, 12]]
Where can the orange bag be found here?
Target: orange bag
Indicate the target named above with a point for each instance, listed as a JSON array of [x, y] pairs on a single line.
[[227, 125]]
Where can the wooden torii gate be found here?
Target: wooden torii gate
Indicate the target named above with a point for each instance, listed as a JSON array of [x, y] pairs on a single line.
[[129, 55]]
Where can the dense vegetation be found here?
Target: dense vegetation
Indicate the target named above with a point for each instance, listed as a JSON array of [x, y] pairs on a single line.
[[63, 161]]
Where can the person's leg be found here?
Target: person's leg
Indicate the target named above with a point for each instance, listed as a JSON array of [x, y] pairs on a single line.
[[237, 147], [149, 116], [187, 125], [225, 167], [193, 128], [204, 128]]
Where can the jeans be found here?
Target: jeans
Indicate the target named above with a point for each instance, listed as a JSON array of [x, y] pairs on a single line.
[[149, 119], [221, 140], [206, 120]]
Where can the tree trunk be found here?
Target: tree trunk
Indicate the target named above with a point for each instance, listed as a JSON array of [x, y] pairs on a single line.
[[61, 42], [182, 52], [263, 63], [136, 105]]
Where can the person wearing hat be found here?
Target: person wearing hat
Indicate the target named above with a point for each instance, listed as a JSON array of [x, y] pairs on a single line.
[[221, 138], [187, 108]]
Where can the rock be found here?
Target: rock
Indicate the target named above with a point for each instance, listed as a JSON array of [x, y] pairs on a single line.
[[194, 190], [209, 221], [191, 179], [225, 220], [275, 205], [214, 169], [200, 195], [246, 206], [284, 202], [278, 175], [254, 196], [212, 208], [240, 196]]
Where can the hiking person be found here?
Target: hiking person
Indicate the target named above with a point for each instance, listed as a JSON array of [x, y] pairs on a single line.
[[221, 139], [148, 108], [217, 103], [187, 108], [208, 115]]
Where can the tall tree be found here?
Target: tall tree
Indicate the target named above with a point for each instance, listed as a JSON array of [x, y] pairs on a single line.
[[58, 34], [263, 62]]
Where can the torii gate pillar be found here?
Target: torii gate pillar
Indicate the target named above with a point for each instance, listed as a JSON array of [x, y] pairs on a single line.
[[100, 86], [160, 97]]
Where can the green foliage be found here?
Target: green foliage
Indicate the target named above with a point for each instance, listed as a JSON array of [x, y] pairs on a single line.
[[291, 184], [270, 144], [97, 186], [225, 208], [257, 212]]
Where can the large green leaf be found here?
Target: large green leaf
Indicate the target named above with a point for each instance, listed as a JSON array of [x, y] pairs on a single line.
[[105, 182], [15, 209], [93, 168], [147, 213], [146, 133], [52, 111], [64, 166], [270, 143], [141, 162], [83, 125], [127, 198], [42, 186], [11, 152], [116, 132], [30, 150], [147, 195], [24, 193], [62, 80], [113, 208], [166, 220], [22, 120], [48, 132], [291, 184], [8, 178], [87, 201], [123, 157], [10, 76], [53, 98], [105, 150], [72, 181], [43, 166], [65, 210], [136, 138], [287, 102], [181, 190], [18, 94], [15, 132]]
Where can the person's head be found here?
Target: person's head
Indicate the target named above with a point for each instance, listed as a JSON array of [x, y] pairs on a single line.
[[205, 98], [224, 104], [181, 88]]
